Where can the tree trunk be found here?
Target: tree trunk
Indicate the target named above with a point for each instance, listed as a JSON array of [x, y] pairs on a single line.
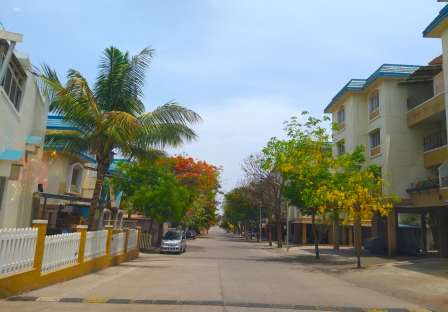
[[101, 173], [270, 232], [279, 232], [336, 233], [315, 234], [358, 241]]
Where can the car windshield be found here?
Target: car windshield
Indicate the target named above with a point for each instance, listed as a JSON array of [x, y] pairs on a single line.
[[172, 236]]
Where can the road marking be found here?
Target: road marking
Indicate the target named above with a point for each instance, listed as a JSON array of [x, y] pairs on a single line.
[[96, 300]]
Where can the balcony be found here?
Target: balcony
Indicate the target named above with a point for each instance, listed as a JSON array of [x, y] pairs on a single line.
[[427, 193], [435, 149], [422, 111]]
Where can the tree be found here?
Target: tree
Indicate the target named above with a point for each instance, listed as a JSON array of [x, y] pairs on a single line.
[[304, 160], [238, 209], [111, 117], [358, 193], [202, 179], [153, 190], [263, 186]]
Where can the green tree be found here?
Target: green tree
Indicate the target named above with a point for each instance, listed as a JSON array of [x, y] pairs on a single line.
[[153, 190], [111, 117], [305, 161], [238, 209]]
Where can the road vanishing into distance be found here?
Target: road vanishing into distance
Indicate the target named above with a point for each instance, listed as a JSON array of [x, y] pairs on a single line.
[[218, 273]]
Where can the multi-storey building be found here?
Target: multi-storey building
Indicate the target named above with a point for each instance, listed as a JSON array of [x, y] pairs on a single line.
[[399, 114], [23, 117]]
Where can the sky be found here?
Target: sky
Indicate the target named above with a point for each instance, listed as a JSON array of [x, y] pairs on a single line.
[[245, 66]]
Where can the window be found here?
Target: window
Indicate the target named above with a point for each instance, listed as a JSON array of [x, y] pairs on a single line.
[[374, 138], [13, 82], [340, 117], [374, 102], [340, 146], [75, 178]]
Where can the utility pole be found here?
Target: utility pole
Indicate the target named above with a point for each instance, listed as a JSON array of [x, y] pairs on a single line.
[[287, 226], [259, 226]]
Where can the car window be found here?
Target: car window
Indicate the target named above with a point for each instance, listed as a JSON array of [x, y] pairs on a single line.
[[172, 235]]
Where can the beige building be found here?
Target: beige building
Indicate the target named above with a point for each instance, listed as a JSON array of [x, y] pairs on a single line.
[[23, 116], [399, 115], [67, 188]]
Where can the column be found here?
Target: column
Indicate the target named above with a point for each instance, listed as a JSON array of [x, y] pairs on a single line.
[[82, 243], [110, 233], [392, 232], [41, 226]]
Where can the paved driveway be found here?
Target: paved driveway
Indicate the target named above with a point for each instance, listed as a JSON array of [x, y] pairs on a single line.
[[219, 273]]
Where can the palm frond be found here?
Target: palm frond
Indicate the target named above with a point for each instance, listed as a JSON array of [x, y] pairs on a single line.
[[171, 113]]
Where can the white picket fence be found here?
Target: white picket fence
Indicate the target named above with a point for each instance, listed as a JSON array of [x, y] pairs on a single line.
[[17, 248], [95, 244], [132, 239], [118, 241], [60, 250]]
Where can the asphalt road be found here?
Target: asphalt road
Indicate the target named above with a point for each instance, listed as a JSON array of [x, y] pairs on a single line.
[[219, 273]]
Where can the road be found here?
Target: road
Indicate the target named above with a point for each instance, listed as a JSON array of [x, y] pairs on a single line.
[[219, 273]]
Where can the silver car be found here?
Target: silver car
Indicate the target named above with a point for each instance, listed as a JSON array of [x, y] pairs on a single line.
[[174, 241]]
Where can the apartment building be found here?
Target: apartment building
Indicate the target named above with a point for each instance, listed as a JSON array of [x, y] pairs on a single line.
[[23, 117]]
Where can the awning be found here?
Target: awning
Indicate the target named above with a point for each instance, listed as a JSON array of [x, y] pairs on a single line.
[[65, 197], [11, 155], [423, 74]]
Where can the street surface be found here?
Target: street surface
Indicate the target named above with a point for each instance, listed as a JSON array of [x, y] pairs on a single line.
[[219, 273]]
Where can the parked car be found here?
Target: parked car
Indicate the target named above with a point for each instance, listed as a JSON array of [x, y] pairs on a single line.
[[174, 241], [191, 234]]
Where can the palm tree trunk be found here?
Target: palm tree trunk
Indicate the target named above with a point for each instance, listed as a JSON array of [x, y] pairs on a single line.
[[358, 240], [101, 173], [315, 234]]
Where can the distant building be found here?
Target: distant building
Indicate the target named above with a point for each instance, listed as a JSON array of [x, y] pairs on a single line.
[[23, 118]]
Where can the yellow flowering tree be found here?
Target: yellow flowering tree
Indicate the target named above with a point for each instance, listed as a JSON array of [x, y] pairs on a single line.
[[358, 193]]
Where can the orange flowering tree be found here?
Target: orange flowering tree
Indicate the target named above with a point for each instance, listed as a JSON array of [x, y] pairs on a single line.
[[202, 179]]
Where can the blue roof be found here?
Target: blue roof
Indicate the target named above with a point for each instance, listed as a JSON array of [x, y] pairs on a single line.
[[11, 154], [58, 123], [384, 71], [436, 22]]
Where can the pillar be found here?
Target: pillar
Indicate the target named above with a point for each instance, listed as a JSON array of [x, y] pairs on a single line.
[[423, 232], [126, 238], [443, 233], [41, 226], [350, 235], [82, 243], [110, 233], [139, 236], [304, 238], [392, 232], [344, 235]]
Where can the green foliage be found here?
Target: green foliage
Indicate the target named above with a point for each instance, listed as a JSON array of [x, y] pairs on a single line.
[[153, 190], [238, 207]]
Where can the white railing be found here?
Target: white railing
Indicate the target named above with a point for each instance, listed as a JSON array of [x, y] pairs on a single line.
[[60, 250], [132, 239], [118, 241], [145, 241], [95, 244], [17, 248]]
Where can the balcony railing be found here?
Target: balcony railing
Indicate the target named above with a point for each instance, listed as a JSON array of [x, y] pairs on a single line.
[[434, 140], [444, 182], [414, 101], [430, 183]]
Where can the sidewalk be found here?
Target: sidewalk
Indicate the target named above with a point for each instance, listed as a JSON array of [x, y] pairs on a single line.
[[421, 280]]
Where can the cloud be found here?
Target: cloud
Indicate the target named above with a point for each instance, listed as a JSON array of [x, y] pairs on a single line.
[[17, 10], [236, 128]]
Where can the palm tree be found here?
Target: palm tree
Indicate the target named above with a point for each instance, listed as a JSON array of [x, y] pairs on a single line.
[[111, 117]]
